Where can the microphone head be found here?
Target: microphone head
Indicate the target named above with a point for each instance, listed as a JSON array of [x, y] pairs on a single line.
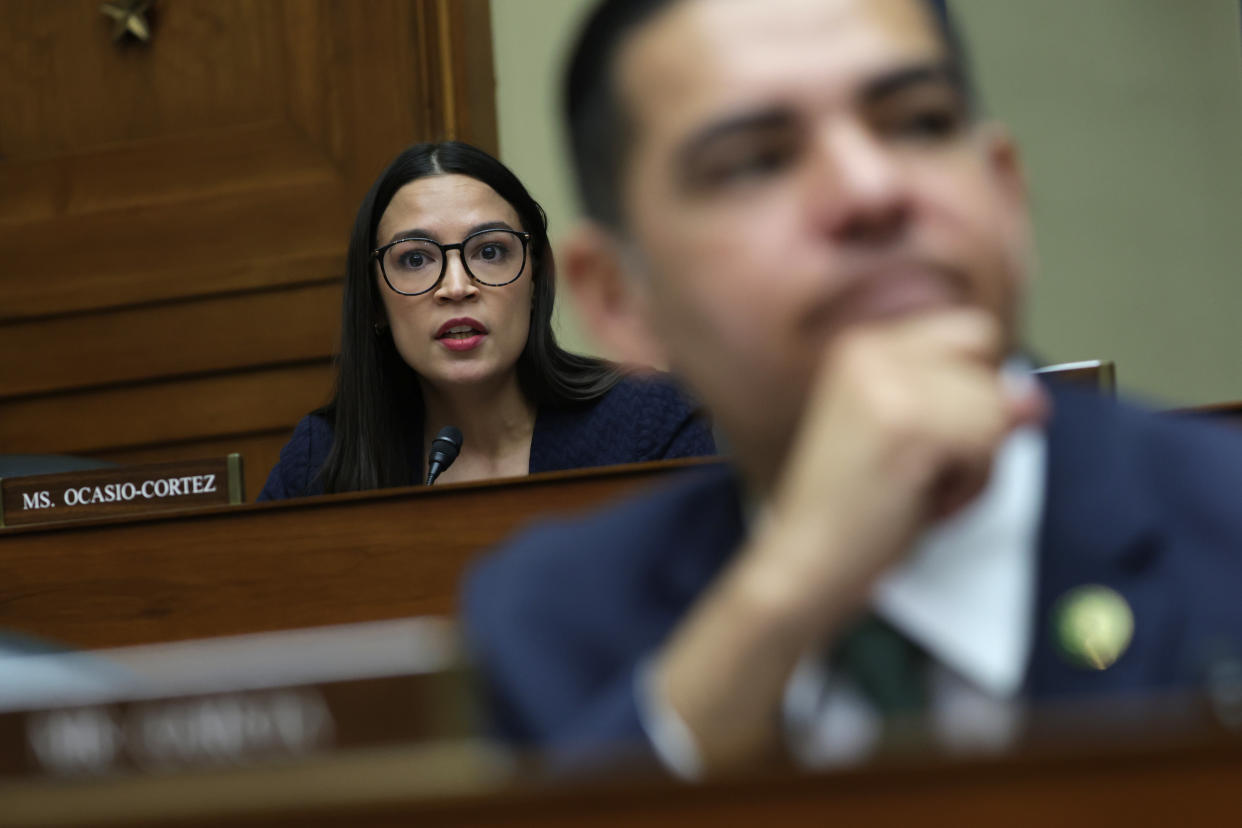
[[444, 450], [447, 443]]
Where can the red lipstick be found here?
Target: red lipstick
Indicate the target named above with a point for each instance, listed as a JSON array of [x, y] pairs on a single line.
[[461, 334]]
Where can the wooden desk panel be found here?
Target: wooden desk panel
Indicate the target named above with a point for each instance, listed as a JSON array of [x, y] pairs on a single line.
[[1228, 413], [1193, 783], [298, 563]]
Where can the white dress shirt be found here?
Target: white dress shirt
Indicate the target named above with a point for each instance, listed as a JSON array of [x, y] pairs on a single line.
[[966, 595]]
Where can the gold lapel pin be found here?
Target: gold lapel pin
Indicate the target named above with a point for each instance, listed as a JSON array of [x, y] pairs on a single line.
[[1092, 626]]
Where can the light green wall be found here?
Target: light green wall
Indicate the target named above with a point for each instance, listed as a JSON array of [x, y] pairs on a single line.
[[1130, 117], [528, 40]]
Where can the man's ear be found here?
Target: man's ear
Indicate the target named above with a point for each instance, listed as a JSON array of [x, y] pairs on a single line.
[[613, 301], [1005, 163]]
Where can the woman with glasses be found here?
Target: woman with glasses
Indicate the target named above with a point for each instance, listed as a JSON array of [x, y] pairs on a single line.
[[447, 321]]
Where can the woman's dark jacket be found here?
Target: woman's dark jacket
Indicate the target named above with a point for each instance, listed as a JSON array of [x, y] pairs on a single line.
[[638, 419]]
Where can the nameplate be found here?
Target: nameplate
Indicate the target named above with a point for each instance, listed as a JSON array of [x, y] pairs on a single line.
[[47, 498], [1100, 375], [243, 727]]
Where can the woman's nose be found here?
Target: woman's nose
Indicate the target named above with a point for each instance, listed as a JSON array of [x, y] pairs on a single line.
[[456, 284]]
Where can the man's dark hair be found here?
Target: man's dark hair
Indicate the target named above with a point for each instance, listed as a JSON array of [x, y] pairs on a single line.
[[599, 129]]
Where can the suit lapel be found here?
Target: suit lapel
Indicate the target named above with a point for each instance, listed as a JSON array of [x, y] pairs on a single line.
[[1100, 528], [704, 531]]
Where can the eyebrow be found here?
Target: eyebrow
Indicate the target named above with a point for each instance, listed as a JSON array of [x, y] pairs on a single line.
[[780, 117], [935, 73], [421, 233], [771, 118]]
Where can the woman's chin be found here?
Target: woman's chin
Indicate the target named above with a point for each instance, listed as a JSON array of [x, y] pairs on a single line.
[[466, 376]]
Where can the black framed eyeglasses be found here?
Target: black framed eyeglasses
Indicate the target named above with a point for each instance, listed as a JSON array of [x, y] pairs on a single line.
[[415, 266]]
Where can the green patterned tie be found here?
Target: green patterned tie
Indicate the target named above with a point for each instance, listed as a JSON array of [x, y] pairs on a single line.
[[891, 672]]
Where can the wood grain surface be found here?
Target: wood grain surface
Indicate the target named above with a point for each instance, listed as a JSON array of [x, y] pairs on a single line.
[[174, 215], [297, 563], [1191, 781]]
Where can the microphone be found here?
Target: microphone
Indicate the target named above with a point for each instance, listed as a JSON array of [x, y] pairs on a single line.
[[443, 452]]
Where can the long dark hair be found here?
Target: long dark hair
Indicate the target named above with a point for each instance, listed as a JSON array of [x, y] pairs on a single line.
[[377, 408]]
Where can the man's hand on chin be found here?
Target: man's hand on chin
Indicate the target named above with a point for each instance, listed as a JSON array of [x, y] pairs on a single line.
[[900, 431]]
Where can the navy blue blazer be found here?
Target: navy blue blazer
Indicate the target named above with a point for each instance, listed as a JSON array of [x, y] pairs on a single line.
[[640, 418], [1146, 504]]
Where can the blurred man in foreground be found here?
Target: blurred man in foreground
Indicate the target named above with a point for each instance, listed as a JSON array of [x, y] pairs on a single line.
[[795, 207]]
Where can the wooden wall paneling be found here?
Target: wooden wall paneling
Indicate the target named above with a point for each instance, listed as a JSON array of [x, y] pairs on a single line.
[[227, 242], [381, 85], [167, 170], [66, 87], [138, 416], [466, 64], [219, 333], [384, 83], [340, 82], [145, 188]]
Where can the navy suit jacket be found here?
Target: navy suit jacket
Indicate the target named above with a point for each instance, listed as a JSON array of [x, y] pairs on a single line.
[[1144, 503], [638, 419]]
